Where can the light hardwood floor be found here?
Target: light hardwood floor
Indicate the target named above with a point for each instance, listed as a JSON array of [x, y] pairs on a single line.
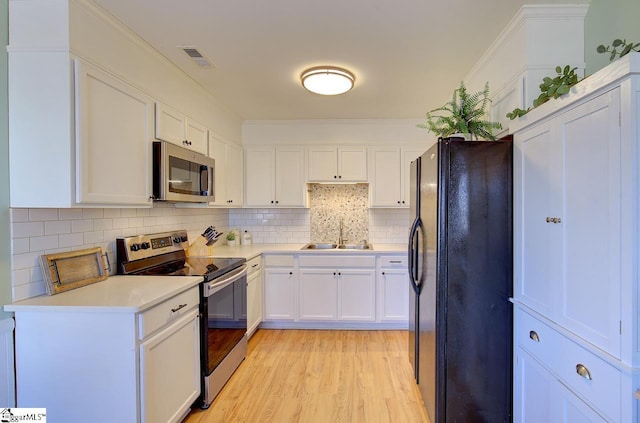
[[310, 376]]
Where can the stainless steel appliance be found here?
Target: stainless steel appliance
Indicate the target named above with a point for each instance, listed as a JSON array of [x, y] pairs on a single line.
[[182, 175], [460, 267], [223, 323]]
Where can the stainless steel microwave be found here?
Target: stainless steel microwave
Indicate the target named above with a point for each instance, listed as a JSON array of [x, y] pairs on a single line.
[[181, 175]]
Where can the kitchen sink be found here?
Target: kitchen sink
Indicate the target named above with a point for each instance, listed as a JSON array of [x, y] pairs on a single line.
[[319, 246], [329, 246], [355, 247]]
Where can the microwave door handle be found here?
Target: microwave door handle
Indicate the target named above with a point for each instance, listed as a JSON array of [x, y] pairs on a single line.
[[205, 180]]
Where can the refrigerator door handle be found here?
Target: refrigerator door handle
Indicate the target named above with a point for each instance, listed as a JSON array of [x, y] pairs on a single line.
[[412, 255]]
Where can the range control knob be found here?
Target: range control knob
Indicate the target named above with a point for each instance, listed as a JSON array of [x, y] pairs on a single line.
[[135, 247], [183, 238], [176, 240], [145, 245]]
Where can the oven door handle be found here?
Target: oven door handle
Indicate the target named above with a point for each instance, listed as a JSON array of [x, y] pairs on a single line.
[[217, 284]]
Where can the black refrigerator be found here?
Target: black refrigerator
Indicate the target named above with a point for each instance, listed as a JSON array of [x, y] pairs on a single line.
[[460, 271]]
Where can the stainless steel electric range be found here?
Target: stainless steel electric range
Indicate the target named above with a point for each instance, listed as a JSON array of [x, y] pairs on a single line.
[[223, 324]]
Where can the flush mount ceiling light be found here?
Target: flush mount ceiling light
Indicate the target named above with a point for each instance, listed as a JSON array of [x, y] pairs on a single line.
[[327, 80]]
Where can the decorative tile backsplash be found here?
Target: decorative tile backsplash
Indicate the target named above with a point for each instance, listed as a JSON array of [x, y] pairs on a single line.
[[332, 204]]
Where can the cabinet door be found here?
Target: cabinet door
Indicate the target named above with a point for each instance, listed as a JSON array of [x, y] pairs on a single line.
[[318, 294], [352, 164], [254, 302], [196, 136], [170, 371], [591, 267], [394, 295], [114, 126], [322, 164], [170, 124], [279, 294], [357, 294], [385, 177], [536, 241], [218, 151], [289, 184], [534, 391], [234, 175], [260, 176]]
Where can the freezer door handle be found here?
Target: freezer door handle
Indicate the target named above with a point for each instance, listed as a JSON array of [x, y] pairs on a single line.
[[413, 274]]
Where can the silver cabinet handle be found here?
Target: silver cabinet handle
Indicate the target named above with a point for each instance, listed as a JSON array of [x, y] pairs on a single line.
[[553, 220], [180, 307], [583, 371], [534, 335]]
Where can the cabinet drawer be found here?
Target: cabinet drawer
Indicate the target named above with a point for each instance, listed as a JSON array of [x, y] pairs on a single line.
[[279, 260], [322, 260], [165, 312], [395, 262], [565, 359], [254, 266]]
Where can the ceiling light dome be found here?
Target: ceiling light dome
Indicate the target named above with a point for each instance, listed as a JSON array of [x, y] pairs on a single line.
[[327, 80]]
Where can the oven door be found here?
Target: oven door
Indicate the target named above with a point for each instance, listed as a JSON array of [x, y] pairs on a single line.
[[224, 314]]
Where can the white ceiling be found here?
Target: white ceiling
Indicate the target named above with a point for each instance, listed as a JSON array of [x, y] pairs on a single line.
[[407, 55]]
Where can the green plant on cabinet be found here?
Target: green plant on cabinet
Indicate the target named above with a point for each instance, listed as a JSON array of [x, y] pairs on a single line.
[[463, 114]]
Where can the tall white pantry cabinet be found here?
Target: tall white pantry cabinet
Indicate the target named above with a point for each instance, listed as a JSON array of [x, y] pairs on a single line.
[[576, 218]]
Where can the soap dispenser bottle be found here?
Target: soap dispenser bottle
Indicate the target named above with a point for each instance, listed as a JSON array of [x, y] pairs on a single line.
[[247, 239]]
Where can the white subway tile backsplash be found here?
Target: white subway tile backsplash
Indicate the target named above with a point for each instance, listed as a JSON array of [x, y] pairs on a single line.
[[84, 225], [26, 260], [102, 224], [27, 229], [111, 213], [93, 237], [39, 215], [70, 214], [70, 240], [20, 245], [57, 227], [92, 213], [41, 243], [22, 292], [21, 276], [19, 215]]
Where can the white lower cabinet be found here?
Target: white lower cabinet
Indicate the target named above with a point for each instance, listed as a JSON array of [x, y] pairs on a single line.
[[557, 379], [393, 288], [326, 290], [254, 295], [280, 277], [170, 371], [105, 363]]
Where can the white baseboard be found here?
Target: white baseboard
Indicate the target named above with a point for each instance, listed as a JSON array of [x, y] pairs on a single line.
[[7, 373]]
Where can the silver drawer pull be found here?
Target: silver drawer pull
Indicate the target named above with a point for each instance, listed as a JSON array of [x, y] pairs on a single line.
[[583, 371], [180, 307], [395, 261], [534, 335]]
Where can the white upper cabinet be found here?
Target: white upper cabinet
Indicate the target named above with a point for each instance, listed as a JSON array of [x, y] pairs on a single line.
[[275, 176], [174, 127], [78, 135], [337, 164], [113, 126], [389, 175], [228, 172]]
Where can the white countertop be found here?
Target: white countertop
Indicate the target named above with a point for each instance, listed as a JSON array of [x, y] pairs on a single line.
[[250, 251], [116, 294]]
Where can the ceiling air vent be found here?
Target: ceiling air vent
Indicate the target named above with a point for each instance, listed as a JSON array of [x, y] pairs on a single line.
[[197, 57]]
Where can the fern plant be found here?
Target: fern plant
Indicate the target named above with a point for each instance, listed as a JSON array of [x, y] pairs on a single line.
[[464, 113]]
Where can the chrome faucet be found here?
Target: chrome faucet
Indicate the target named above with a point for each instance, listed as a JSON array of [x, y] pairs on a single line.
[[340, 238]]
